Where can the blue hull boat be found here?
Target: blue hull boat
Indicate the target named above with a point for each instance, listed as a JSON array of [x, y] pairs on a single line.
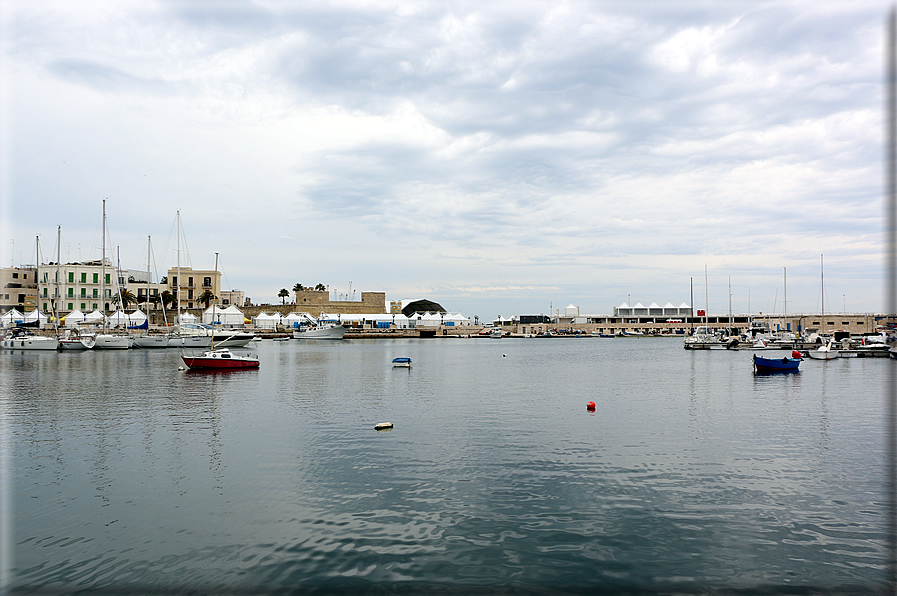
[[770, 365]]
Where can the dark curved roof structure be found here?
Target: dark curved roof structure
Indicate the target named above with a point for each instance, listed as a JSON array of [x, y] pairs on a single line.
[[422, 306]]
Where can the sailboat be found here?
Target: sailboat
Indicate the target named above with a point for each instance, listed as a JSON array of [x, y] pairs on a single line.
[[72, 339], [21, 337], [106, 340], [220, 358], [146, 340], [826, 351]]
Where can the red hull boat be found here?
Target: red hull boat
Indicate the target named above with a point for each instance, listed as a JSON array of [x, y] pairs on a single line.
[[221, 358]]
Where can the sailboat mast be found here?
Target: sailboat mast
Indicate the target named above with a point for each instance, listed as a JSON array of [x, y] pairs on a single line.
[[706, 298], [103, 270], [177, 286], [785, 299], [822, 289], [213, 305], [58, 254]]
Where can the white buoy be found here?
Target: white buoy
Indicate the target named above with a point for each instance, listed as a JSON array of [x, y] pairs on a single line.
[[383, 426]]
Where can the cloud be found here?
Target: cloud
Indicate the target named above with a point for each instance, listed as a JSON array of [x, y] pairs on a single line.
[[479, 145]]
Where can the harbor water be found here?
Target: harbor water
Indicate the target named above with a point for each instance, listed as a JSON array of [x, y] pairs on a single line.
[[124, 474]]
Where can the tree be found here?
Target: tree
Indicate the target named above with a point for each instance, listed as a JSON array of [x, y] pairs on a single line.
[[124, 297], [298, 288], [164, 280], [283, 293], [167, 299], [320, 288], [207, 297]]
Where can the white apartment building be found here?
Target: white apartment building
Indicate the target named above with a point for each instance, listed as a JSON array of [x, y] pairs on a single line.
[[84, 286]]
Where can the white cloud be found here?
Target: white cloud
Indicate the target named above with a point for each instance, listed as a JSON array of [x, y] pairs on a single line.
[[551, 152]]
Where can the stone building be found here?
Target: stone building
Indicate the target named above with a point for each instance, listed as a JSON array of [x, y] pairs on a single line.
[[18, 289], [315, 302], [187, 285]]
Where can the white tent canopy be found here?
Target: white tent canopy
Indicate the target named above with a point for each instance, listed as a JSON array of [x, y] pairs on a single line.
[[94, 317], [13, 316], [74, 318], [119, 317], [185, 317], [137, 317], [227, 317], [36, 315], [266, 321]]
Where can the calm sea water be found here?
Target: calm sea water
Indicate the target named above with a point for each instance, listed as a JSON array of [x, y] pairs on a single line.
[[692, 475]]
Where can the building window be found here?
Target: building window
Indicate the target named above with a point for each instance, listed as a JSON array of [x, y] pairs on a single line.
[[190, 295], [71, 277], [108, 277], [83, 292], [15, 276], [96, 279], [45, 292], [815, 322], [83, 306], [45, 307], [71, 292], [845, 323], [174, 280], [190, 282], [83, 277], [70, 305], [207, 282]]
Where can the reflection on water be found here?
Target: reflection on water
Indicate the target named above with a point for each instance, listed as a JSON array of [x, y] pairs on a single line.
[[692, 471]]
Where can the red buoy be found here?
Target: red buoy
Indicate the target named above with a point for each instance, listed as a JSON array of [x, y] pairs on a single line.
[[795, 354], [590, 406]]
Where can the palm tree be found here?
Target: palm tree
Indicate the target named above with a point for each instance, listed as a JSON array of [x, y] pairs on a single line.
[[320, 288], [167, 298], [283, 293], [124, 297], [298, 288], [207, 297]]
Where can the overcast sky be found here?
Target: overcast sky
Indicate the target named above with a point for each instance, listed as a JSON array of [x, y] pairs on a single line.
[[496, 157]]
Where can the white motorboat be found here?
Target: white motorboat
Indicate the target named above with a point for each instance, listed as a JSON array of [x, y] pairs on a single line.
[[324, 331], [22, 339], [320, 328], [825, 352]]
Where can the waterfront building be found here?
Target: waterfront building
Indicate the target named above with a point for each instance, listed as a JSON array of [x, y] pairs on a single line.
[[318, 301], [233, 298], [18, 289], [77, 286], [187, 285]]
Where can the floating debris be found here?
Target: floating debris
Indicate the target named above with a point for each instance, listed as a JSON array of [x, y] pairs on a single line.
[[383, 426]]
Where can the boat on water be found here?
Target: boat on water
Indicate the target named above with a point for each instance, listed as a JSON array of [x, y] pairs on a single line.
[[401, 362], [201, 335], [321, 328], [773, 365], [151, 341], [495, 334], [75, 340], [19, 338], [826, 351], [323, 331], [220, 359]]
